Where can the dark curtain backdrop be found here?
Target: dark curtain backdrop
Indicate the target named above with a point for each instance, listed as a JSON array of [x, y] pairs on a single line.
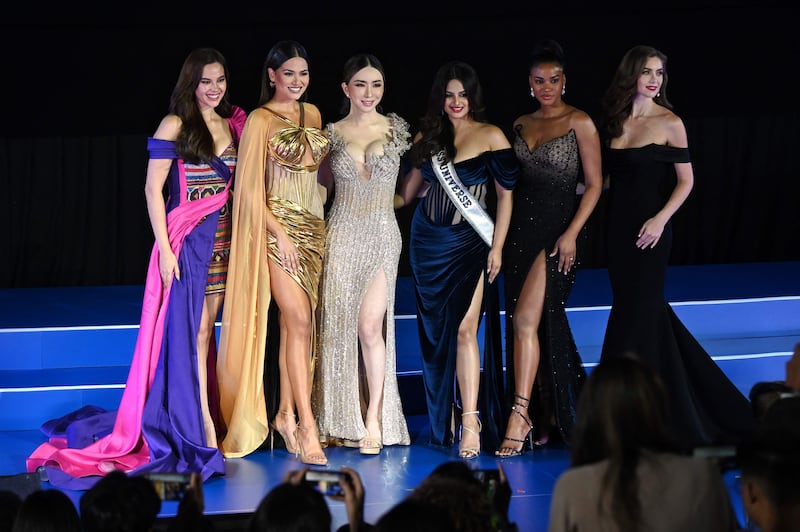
[[84, 90]]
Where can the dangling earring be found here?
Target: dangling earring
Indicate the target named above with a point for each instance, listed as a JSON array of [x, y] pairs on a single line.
[[532, 94], [271, 83], [658, 94], [563, 90]]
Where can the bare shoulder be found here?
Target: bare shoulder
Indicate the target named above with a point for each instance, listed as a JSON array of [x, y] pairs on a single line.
[[581, 122], [313, 115], [494, 136], [522, 120], [675, 128], [169, 128]]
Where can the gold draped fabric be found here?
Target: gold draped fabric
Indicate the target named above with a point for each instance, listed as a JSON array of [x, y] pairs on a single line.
[[294, 197], [289, 145], [308, 234]]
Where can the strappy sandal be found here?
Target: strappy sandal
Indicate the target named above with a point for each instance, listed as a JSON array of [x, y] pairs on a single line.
[[310, 458], [470, 453], [507, 451], [284, 436]]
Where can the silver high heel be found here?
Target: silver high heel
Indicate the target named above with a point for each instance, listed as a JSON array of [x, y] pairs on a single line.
[[470, 453]]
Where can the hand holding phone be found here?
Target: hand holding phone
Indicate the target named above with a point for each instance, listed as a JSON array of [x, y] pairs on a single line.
[[327, 482], [170, 486]]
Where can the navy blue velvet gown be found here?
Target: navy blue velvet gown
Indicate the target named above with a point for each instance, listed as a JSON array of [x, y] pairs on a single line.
[[447, 258]]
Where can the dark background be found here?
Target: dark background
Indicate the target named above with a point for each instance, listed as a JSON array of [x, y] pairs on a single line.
[[84, 86]]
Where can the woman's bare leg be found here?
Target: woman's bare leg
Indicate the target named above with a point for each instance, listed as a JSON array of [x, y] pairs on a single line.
[[527, 316], [468, 375], [285, 419], [205, 335], [295, 309], [373, 349]]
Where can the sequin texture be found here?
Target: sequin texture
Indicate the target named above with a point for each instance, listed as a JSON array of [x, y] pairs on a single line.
[[362, 238]]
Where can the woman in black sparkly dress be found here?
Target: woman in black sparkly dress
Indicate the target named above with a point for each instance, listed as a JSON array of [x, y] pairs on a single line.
[[555, 145]]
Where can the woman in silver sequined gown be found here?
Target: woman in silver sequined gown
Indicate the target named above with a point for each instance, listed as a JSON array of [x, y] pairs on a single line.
[[555, 145], [356, 397]]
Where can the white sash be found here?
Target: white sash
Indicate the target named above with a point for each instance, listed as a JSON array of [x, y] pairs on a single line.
[[461, 197]]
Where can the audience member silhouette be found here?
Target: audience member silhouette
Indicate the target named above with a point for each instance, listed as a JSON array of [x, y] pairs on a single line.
[[10, 502], [417, 515], [770, 467], [291, 507], [472, 504], [764, 394], [47, 511], [297, 506], [120, 503], [190, 517], [793, 369], [626, 473]]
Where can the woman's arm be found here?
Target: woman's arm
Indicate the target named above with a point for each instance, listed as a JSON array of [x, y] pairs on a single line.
[[651, 230], [157, 171], [589, 150]]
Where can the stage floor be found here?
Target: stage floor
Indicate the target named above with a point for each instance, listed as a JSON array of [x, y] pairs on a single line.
[[387, 478], [63, 347]]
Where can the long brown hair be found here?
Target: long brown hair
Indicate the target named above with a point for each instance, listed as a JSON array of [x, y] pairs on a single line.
[[617, 102], [195, 142]]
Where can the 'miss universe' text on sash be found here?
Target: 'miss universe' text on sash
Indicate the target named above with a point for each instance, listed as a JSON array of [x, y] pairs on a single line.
[[461, 197]]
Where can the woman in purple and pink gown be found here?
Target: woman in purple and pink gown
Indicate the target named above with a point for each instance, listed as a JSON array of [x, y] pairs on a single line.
[[167, 418]]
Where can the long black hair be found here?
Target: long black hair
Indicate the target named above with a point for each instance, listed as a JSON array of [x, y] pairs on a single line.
[[280, 52], [435, 127], [352, 66]]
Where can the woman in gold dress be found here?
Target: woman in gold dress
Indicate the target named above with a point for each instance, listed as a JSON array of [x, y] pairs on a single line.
[[277, 246]]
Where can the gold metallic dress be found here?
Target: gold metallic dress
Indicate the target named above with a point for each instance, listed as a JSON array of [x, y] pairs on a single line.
[[362, 239], [272, 173]]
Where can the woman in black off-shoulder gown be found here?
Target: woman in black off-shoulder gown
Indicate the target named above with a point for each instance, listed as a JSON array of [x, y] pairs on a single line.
[[648, 182]]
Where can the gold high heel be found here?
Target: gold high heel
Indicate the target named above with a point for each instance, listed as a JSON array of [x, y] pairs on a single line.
[[311, 459], [369, 444], [274, 426], [506, 451], [469, 453]]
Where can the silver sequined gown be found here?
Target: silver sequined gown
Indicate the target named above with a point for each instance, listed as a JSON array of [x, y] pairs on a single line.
[[544, 205], [362, 238]]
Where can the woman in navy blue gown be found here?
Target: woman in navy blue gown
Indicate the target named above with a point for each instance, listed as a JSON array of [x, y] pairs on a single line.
[[453, 266]]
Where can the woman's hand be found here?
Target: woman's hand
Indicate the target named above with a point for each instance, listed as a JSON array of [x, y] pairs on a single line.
[[650, 233], [353, 498], [494, 262], [288, 253], [167, 267], [296, 476], [566, 249]]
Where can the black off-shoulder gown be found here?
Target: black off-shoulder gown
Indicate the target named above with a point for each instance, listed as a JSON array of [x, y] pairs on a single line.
[[706, 407]]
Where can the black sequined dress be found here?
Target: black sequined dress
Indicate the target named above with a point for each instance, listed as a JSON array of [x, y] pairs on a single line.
[[706, 407], [544, 205]]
